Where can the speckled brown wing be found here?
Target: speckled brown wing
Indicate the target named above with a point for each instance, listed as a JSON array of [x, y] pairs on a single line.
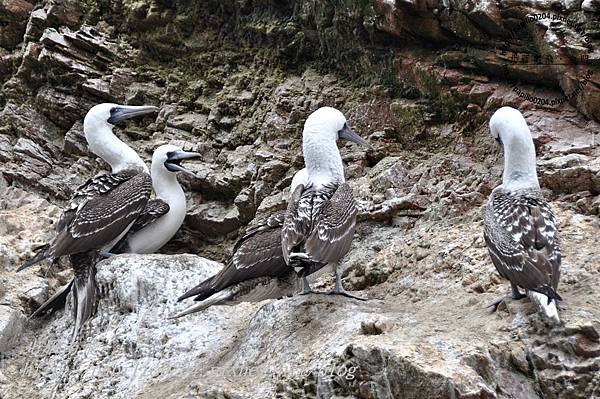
[[93, 187], [256, 254], [522, 239], [297, 221], [154, 210], [104, 217], [331, 236], [99, 211]]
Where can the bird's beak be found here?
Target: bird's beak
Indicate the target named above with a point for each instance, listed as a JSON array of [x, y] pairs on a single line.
[[122, 112], [348, 134], [174, 158]]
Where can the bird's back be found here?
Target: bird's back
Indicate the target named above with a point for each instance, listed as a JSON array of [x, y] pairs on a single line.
[[320, 222], [522, 239]]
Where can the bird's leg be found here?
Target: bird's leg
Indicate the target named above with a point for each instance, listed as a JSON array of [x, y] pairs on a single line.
[[494, 305], [306, 287], [516, 294], [339, 289], [105, 254]]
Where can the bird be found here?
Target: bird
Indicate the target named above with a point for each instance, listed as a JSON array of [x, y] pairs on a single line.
[[154, 227], [519, 226], [255, 271], [101, 211], [320, 218], [164, 215]]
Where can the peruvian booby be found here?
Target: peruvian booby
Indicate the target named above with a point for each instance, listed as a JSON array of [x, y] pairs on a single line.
[[520, 229], [163, 215], [101, 210], [256, 269], [321, 215]]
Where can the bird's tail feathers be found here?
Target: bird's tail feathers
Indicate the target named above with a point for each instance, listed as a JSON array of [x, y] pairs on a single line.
[[85, 297], [303, 265], [216, 299], [41, 254], [55, 302], [201, 291], [549, 292], [546, 304]]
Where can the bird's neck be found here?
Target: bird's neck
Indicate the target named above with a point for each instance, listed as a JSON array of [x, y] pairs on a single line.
[[103, 142], [167, 188], [323, 161], [155, 235], [519, 164]]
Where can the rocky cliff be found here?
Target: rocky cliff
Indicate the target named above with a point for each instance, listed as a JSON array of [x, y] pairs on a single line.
[[235, 81]]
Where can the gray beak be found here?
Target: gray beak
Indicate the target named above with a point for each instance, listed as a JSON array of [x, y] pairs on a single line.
[[122, 112], [174, 158], [348, 134]]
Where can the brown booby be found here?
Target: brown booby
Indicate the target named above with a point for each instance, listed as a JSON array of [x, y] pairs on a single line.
[[255, 271], [520, 228], [101, 210], [321, 215]]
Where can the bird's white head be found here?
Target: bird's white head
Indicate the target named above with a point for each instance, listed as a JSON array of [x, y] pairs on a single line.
[[329, 124], [509, 128], [167, 159], [166, 162], [97, 127], [321, 131]]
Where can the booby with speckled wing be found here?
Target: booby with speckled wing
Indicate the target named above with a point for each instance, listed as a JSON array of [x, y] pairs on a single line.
[[101, 210], [255, 271], [520, 228], [163, 215], [321, 216]]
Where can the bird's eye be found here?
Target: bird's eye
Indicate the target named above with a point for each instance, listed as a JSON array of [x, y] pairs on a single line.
[[113, 109]]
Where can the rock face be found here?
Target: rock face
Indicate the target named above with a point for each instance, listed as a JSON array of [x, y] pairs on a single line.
[[425, 332], [235, 81]]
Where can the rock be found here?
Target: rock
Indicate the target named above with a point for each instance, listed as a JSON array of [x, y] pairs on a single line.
[[34, 293], [143, 93], [189, 122], [6, 148], [13, 22], [120, 81], [65, 13], [213, 219], [12, 323], [75, 143], [38, 21], [375, 326], [571, 173], [129, 300], [61, 108], [28, 148], [25, 120], [99, 88]]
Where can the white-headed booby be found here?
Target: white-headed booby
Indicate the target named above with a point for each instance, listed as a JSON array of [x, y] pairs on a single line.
[[163, 215], [321, 215], [101, 210], [520, 230], [256, 269]]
